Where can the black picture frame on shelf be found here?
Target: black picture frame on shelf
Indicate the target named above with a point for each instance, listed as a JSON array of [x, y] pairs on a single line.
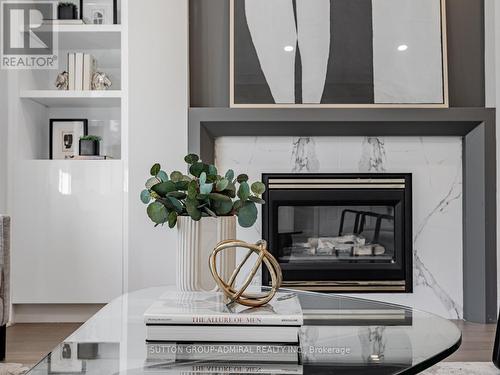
[[104, 3], [64, 136]]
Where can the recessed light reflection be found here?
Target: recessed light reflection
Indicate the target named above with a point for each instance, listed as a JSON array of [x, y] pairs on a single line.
[[64, 183], [402, 47], [288, 48]]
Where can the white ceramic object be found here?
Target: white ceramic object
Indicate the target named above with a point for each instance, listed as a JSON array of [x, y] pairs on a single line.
[[196, 240]]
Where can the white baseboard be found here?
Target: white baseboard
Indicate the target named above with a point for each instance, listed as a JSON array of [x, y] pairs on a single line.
[[53, 313]]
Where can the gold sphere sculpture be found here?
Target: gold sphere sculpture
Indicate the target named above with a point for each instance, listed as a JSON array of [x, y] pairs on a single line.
[[239, 295]]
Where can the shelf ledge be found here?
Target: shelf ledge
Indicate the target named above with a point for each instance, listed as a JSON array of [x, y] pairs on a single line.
[[65, 98]]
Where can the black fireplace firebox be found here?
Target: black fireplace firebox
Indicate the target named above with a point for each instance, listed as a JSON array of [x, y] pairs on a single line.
[[340, 232]]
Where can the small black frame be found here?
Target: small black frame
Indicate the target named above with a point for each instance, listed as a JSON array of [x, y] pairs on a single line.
[[51, 129]]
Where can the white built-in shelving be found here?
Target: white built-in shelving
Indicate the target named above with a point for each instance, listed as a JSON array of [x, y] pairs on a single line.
[[75, 247]]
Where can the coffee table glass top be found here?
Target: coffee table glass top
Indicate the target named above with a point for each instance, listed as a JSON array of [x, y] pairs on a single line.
[[341, 335]]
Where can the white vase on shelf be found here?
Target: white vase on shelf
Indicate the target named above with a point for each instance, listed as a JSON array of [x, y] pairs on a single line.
[[196, 240]]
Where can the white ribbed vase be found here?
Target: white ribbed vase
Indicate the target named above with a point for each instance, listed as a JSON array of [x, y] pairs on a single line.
[[196, 240]]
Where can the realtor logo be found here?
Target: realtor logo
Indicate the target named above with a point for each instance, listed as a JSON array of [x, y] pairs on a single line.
[[26, 42]]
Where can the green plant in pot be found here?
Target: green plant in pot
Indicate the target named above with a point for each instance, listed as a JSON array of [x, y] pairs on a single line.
[[204, 205], [90, 145], [67, 11]]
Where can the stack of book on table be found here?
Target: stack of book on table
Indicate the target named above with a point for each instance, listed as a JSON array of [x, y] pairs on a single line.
[[196, 331]]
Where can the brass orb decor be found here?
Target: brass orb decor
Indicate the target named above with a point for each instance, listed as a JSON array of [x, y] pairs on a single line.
[[238, 295]]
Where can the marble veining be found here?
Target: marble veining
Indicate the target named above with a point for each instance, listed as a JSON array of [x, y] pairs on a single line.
[[373, 343], [453, 194], [373, 157], [436, 167], [423, 277], [304, 156]]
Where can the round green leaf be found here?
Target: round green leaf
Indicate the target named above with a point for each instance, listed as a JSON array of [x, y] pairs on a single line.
[[182, 185], [193, 210], [192, 189], [163, 188], [203, 178], [155, 169], [152, 181], [222, 207], [230, 175], [172, 219], [212, 170], [145, 196], [219, 197], [237, 205], [176, 204], [256, 199], [221, 184], [242, 178], [247, 214], [177, 194], [244, 191], [191, 158], [258, 188], [206, 188], [162, 175], [157, 212], [176, 176], [198, 168]]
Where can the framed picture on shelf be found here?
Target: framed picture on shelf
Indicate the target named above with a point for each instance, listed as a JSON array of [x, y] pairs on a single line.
[[65, 137], [326, 53], [64, 359], [99, 12]]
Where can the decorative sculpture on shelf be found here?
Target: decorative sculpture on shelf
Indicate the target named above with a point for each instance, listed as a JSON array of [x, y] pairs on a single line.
[[240, 296], [62, 81], [100, 81]]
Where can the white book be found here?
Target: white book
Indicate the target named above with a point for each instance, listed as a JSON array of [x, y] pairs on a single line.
[[79, 71], [209, 308], [89, 68], [218, 333], [63, 22], [223, 368], [71, 71], [228, 352]]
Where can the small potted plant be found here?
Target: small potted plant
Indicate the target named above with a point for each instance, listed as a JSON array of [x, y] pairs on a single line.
[[204, 205], [67, 11], [90, 145]]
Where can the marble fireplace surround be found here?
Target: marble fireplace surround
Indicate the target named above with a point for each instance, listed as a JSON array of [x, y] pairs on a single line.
[[476, 126]]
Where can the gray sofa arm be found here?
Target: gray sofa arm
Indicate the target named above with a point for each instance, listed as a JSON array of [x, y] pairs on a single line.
[[4, 269]]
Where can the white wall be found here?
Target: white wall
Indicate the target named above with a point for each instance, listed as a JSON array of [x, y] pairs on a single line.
[[3, 141], [158, 71]]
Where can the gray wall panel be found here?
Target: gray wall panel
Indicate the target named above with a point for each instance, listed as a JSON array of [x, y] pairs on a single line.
[[465, 20], [209, 53]]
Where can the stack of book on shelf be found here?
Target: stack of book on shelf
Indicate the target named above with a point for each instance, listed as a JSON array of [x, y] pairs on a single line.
[[81, 69], [196, 332]]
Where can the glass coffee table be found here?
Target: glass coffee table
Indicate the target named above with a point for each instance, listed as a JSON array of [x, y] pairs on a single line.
[[341, 335]]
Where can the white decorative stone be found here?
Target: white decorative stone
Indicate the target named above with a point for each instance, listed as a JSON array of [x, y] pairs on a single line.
[[196, 240]]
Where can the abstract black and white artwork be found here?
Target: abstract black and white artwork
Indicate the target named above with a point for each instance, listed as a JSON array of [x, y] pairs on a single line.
[[338, 53]]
